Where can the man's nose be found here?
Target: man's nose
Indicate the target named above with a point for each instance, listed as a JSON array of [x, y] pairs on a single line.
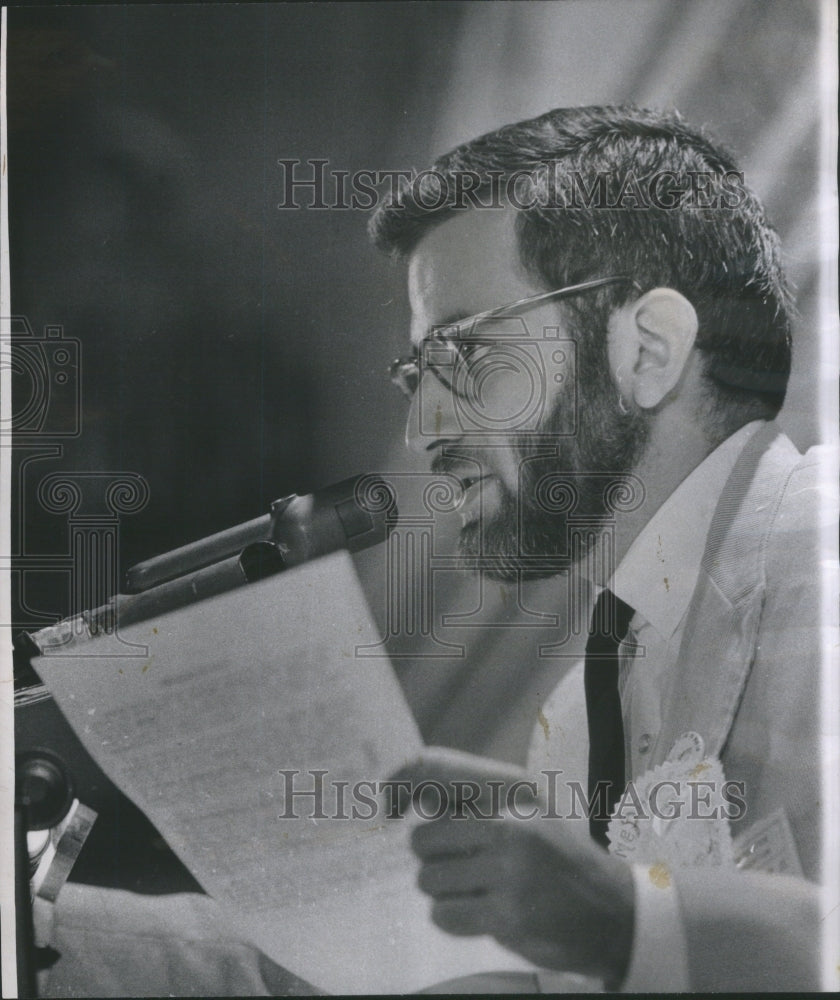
[[433, 417]]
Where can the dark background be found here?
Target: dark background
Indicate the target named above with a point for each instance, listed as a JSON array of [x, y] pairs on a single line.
[[232, 352]]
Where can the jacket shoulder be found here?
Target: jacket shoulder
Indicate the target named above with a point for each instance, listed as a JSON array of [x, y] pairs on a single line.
[[773, 500]]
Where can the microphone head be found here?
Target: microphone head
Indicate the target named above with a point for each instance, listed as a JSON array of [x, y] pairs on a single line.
[[353, 514]]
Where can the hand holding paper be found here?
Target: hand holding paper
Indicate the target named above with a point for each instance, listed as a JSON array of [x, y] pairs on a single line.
[[493, 863], [248, 727]]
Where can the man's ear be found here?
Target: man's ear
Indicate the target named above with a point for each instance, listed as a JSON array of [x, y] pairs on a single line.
[[650, 343]]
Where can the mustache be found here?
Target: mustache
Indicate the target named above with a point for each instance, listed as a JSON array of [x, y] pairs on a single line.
[[458, 462]]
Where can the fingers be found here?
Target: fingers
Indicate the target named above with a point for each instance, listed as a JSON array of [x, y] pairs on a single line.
[[456, 877], [539, 887], [499, 912], [464, 916], [484, 873], [461, 865], [464, 862], [486, 878], [447, 837]]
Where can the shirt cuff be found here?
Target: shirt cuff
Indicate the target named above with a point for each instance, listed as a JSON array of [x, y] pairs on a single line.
[[659, 958]]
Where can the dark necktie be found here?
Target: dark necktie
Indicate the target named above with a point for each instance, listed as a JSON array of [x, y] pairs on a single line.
[[610, 621]]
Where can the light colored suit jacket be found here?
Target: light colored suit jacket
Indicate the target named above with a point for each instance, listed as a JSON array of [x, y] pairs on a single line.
[[748, 681]]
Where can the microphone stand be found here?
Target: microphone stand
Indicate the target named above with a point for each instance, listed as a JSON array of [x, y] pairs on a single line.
[[43, 797], [27, 983]]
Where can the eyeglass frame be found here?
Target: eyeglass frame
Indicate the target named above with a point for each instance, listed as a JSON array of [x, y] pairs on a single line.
[[456, 342]]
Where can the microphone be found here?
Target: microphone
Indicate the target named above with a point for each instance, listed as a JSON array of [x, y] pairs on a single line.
[[352, 514]]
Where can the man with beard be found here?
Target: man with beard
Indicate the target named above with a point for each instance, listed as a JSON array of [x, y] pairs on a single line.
[[704, 642], [622, 240]]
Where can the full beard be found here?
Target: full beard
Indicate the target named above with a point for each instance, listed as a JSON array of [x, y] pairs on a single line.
[[568, 492]]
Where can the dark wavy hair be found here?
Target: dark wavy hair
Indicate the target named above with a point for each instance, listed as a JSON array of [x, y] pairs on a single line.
[[716, 248]]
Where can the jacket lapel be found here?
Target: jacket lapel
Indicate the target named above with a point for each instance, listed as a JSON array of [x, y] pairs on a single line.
[[704, 690]]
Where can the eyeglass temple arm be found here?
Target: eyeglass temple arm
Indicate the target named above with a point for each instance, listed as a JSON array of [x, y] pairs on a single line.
[[533, 300]]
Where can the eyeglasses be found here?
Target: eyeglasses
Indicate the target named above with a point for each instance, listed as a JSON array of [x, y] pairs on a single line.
[[449, 354]]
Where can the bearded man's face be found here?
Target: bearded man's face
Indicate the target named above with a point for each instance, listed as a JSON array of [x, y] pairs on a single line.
[[536, 433]]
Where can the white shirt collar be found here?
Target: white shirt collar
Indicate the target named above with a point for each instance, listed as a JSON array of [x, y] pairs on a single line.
[[658, 574]]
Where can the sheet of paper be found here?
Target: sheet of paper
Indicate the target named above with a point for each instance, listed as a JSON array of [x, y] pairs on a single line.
[[224, 708]]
